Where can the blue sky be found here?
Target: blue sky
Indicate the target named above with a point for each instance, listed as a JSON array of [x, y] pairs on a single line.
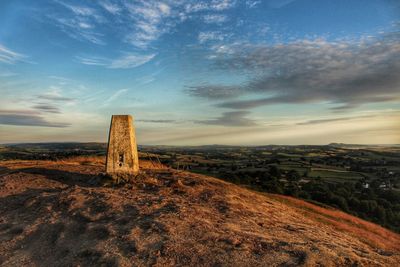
[[201, 72]]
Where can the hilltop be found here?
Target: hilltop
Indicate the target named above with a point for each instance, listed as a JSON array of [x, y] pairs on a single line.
[[60, 213]]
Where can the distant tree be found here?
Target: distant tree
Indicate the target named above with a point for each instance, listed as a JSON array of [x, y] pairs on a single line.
[[372, 205], [304, 194], [293, 176], [354, 203], [291, 189], [340, 202], [380, 214], [364, 206], [272, 185], [342, 191], [274, 171]]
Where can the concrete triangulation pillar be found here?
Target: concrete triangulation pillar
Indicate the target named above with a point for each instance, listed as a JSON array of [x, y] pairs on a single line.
[[122, 155]]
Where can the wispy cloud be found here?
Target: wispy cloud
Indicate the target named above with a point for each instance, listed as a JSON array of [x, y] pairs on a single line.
[[210, 36], [126, 61], [54, 96], [7, 73], [139, 23], [93, 61], [380, 129], [115, 96], [26, 118], [149, 78], [82, 11], [79, 28], [59, 78], [148, 23], [80, 22], [214, 92], [130, 61], [157, 121], [47, 108], [146, 79], [279, 3], [51, 101], [8, 56], [328, 120], [233, 118], [252, 3], [214, 5], [215, 18], [222, 4], [111, 7]]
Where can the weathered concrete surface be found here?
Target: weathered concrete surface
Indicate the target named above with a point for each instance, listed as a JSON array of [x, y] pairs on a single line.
[[122, 155]]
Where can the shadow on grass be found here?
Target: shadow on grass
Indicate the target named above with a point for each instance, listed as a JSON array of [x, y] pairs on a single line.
[[50, 227], [66, 177]]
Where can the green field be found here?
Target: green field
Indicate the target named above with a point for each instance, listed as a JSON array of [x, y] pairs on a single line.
[[335, 175]]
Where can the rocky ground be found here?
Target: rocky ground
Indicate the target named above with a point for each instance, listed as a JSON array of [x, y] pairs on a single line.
[[64, 214]]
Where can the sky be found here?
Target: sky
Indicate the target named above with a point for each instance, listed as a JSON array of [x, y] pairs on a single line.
[[231, 72]]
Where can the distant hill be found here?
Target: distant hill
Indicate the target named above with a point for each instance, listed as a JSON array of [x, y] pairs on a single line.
[[33, 151], [101, 145], [354, 146], [59, 146], [60, 213]]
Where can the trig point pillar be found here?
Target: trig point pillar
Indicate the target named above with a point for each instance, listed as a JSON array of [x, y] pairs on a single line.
[[122, 155]]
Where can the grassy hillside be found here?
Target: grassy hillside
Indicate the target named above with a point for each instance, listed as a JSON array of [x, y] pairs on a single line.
[[60, 213]]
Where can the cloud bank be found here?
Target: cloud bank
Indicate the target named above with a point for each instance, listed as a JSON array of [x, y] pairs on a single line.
[[345, 74], [27, 118]]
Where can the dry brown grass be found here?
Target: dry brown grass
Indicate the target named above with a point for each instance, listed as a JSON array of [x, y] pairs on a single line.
[[101, 160], [85, 160], [372, 233], [52, 214]]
